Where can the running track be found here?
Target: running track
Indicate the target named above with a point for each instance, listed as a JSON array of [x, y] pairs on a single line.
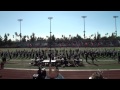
[[81, 74]]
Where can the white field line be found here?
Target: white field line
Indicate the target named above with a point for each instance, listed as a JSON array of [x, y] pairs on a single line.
[[65, 69]]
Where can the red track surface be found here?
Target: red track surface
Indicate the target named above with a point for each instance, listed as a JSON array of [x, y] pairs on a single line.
[[27, 74]]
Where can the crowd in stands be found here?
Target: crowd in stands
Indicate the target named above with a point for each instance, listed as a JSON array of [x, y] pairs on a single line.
[[80, 43]]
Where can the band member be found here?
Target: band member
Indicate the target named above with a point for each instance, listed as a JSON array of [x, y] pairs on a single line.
[[4, 59], [118, 58], [2, 65], [86, 56]]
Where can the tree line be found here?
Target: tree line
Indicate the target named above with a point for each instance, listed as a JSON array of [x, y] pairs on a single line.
[[63, 40]]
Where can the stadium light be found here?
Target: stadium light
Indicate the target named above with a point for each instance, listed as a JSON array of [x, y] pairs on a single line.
[[84, 24], [50, 18], [20, 27], [115, 25]]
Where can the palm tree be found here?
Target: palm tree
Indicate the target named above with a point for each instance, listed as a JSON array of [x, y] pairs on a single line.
[[8, 35], [69, 37], [53, 40], [13, 37], [98, 36], [20, 35], [95, 37], [106, 34], [33, 35], [24, 38], [38, 38], [5, 38], [62, 36], [27, 37], [47, 38], [16, 34], [1, 41]]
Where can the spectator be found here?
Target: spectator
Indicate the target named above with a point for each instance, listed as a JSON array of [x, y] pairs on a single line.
[[2, 65], [41, 73], [54, 73], [96, 75]]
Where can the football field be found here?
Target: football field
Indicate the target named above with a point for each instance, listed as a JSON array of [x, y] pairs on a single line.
[[101, 63]]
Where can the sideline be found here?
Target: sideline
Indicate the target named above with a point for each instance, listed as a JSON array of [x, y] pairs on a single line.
[[66, 69]]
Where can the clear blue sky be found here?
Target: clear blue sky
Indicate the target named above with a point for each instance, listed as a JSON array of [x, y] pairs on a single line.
[[63, 22]]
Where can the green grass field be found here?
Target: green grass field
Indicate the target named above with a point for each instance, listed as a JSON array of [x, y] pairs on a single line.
[[107, 64], [68, 48], [104, 63]]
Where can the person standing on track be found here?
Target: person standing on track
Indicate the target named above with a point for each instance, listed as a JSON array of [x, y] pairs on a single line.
[[41, 73], [2, 64]]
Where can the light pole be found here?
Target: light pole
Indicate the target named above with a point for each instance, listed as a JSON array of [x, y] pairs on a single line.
[[115, 25], [50, 37], [20, 27], [84, 24]]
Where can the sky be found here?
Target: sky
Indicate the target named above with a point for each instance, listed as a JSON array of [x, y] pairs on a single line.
[[63, 23]]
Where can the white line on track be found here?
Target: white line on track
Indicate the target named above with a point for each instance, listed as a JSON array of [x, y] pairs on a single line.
[[65, 69]]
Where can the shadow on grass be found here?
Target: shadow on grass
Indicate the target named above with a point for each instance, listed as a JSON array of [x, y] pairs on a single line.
[[92, 64], [95, 64], [88, 62]]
